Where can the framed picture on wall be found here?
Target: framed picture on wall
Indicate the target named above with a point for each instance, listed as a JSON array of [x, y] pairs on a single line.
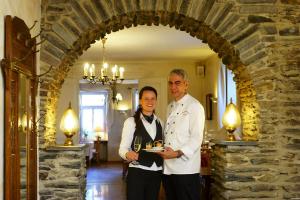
[[200, 70]]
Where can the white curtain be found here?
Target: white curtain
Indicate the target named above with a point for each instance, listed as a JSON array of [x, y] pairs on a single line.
[[221, 94]]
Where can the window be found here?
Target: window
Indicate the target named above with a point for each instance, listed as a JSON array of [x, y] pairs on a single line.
[[230, 87], [92, 114], [226, 90]]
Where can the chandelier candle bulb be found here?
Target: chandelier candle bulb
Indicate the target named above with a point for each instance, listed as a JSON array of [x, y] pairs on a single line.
[[86, 69], [121, 73], [114, 70], [92, 70], [102, 73], [117, 71], [105, 67]]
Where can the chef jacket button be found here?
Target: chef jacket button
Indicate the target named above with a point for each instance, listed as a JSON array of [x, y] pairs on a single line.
[[181, 104], [169, 143], [173, 122], [177, 113], [171, 132]]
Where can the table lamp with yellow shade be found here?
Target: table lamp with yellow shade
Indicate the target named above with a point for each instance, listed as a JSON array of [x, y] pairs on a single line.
[[99, 132], [69, 125], [231, 120]]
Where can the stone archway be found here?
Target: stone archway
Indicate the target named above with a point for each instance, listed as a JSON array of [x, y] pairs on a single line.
[[243, 33], [61, 51]]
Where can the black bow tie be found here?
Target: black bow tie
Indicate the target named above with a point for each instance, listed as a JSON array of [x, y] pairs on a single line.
[[149, 118]]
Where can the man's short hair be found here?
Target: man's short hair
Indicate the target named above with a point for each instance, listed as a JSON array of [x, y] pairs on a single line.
[[180, 72]]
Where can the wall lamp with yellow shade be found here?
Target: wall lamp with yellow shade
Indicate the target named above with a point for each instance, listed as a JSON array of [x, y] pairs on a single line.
[[69, 125], [117, 98], [231, 120]]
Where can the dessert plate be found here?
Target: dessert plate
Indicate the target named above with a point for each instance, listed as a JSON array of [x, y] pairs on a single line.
[[155, 149]]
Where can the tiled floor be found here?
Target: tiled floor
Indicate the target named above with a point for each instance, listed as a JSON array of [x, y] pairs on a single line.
[[104, 182]]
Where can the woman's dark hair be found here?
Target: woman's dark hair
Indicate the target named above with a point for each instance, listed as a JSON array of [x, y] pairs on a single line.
[[139, 110]]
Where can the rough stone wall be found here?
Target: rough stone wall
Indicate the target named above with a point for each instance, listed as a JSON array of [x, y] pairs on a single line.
[[49, 94], [258, 39], [62, 173], [243, 172], [249, 107], [286, 129]]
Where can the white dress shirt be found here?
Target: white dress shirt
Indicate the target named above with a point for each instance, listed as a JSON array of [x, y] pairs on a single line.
[[127, 137], [184, 131]]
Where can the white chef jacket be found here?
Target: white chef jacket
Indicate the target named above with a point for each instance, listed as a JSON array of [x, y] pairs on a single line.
[[127, 137], [184, 131]]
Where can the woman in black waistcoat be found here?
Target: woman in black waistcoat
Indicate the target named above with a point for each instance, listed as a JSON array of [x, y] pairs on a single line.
[[145, 169]]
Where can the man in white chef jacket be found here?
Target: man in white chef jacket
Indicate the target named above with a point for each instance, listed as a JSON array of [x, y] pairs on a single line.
[[182, 137]]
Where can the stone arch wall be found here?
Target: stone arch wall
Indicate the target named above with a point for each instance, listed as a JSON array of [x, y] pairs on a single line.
[[258, 40], [71, 26]]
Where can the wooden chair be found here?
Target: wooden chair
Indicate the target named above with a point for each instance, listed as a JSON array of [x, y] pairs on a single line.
[[96, 153]]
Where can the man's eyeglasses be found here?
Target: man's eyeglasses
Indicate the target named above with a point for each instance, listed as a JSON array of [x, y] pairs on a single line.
[[176, 83]]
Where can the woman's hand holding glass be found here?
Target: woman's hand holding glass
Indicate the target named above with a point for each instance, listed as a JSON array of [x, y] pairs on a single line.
[[133, 155]]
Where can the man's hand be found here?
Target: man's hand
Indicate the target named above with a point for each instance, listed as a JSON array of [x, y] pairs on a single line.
[[169, 153], [131, 156]]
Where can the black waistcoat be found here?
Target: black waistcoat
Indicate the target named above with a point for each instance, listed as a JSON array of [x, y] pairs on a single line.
[[147, 158]]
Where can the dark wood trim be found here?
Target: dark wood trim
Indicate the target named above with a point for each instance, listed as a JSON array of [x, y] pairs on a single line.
[[209, 111], [18, 43]]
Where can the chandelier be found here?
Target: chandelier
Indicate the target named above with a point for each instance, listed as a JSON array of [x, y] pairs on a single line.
[[89, 71]]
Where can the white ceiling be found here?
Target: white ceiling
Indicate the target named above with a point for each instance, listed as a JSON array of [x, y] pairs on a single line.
[[148, 43]]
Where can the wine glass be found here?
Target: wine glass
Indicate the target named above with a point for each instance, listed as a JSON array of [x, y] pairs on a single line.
[[137, 144]]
